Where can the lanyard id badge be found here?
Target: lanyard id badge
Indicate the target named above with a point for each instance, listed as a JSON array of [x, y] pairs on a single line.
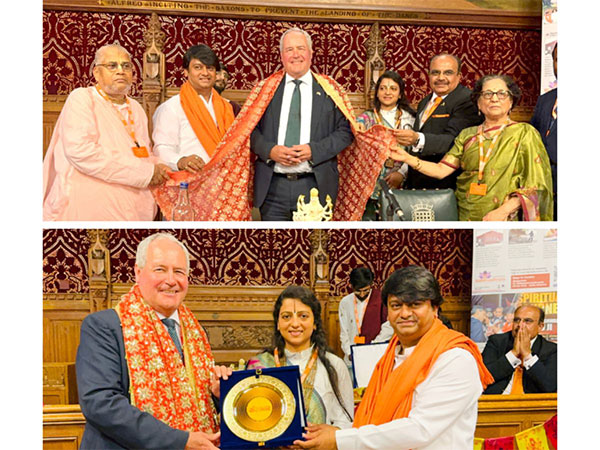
[[480, 188]]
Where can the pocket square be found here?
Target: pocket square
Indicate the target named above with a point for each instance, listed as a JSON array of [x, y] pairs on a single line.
[[439, 116]]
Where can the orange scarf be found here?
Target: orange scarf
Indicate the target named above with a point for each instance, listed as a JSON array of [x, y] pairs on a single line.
[[390, 392], [200, 119], [160, 383]]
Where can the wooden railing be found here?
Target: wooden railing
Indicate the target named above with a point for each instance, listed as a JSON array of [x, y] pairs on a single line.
[[499, 415]]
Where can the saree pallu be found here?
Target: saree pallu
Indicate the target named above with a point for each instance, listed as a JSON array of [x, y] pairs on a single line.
[[223, 190], [518, 166]]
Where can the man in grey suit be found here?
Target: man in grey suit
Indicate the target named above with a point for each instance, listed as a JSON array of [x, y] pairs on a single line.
[[134, 362], [299, 136]]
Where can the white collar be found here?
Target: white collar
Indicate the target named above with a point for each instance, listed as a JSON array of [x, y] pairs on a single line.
[[306, 78], [434, 95], [174, 316], [533, 340]]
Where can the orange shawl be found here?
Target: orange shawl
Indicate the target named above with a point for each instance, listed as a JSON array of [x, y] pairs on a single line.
[[390, 392], [223, 190], [160, 383], [200, 119]]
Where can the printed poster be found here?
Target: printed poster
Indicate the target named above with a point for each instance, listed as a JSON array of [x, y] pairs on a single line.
[[510, 268]]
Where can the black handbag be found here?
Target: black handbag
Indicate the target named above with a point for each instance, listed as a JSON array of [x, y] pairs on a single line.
[[420, 205]]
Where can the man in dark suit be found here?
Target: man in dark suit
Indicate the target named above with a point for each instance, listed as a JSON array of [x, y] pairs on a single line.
[[545, 120], [479, 320], [124, 405], [440, 117], [522, 348], [298, 137]]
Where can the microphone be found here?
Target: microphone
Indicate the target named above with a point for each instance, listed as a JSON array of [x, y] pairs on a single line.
[[393, 206]]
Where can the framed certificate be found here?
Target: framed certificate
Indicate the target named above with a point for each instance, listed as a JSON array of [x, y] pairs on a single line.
[[364, 358], [262, 408]]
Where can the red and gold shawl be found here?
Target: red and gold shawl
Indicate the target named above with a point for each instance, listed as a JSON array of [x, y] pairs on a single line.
[[389, 393], [160, 383], [223, 189]]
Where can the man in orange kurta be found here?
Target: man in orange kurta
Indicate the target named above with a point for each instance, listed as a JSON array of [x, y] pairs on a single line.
[[424, 390], [98, 165]]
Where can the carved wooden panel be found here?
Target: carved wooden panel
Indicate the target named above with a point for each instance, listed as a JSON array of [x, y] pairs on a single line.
[[498, 415], [506, 415], [59, 384], [65, 339], [237, 275], [62, 427]]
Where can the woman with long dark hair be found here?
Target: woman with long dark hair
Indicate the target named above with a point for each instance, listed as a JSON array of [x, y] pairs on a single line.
[[392, 110], [300, 340]]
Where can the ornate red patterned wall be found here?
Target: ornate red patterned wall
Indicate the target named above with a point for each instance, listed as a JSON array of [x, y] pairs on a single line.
[[249, 49], [270, 257]]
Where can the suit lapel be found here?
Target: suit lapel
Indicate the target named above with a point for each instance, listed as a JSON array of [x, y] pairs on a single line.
[[275, 108], [537, 346], [420, 110], [318, 96], [510, 342]]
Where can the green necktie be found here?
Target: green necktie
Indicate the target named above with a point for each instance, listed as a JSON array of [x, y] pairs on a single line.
[[170, 324], [292, 132]]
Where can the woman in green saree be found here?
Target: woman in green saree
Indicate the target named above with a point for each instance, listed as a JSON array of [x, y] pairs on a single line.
[[505, 168], [299, 339]]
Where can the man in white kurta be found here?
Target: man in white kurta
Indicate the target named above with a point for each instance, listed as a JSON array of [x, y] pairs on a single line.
[[423, 392], [175, 140], [98, 165]]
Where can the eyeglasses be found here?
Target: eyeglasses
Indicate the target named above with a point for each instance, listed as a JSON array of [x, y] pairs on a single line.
[[437, 73], [113, 66], [502, 95]]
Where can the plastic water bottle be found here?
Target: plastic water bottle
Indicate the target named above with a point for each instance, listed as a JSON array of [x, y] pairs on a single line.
[[183, 208]]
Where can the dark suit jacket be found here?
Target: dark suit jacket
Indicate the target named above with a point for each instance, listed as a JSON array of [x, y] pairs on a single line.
[[455, 113], [542, 121], [103, 383], [330, 133], [539, 379]]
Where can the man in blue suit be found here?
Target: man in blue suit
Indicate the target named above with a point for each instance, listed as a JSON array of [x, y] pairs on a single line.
[[299, 136], [545, 120], [135, 362]]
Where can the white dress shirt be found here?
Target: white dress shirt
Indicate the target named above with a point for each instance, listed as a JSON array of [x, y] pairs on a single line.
[[173, 135], [443, 414], [516, 362], [335, 414], [421, 144], [306, 90]]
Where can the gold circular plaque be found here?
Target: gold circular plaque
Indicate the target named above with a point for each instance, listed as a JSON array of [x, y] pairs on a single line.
[[259, 409]]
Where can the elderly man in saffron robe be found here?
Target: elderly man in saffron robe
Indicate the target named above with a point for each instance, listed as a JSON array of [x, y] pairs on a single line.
[[99, 165]]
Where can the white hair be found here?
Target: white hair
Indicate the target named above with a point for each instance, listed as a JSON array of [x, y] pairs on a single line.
[[101, 50], [142, 250], [295, 30]]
